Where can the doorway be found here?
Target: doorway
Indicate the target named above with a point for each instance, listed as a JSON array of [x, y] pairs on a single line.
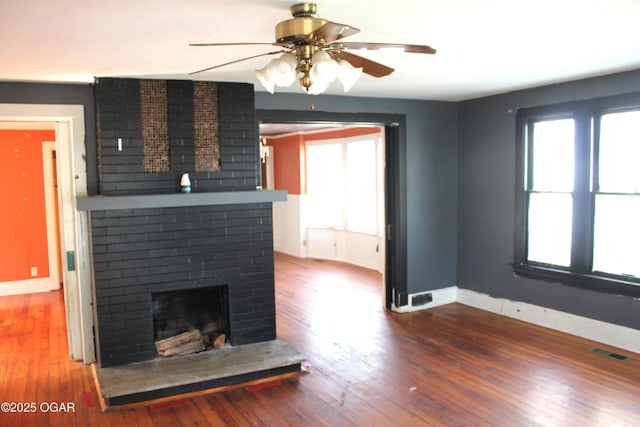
[[334, 177], [394, 235], [26, 266], [68, 121]]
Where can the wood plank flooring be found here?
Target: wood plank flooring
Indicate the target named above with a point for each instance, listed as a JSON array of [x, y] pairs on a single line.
[[449, 366]]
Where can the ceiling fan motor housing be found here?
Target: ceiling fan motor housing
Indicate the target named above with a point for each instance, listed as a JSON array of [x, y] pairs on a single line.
[[304, 22]]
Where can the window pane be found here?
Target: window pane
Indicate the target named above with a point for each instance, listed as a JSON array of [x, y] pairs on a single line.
[[616, 235], [361, 186], [553, 155], [549, 228], [620, 152], [324, 185]]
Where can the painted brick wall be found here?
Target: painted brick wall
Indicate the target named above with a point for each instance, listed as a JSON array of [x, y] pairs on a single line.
[[139, 251], [119, 116]]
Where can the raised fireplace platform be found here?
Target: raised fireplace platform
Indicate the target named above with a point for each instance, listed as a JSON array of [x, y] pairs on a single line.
[[224, 368]]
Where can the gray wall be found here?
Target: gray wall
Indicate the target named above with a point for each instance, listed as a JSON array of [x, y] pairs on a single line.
[[430, 155], [460, 162], [486, 200], [430, 176], [74, 94]]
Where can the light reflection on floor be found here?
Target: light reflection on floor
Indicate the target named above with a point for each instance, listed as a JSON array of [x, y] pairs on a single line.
[[345, 317]]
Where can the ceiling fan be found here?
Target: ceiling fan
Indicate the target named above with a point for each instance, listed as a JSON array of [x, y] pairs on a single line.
[[313, 51]]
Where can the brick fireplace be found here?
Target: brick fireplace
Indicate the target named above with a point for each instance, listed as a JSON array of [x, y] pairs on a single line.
[[148, 239], [145, 251]]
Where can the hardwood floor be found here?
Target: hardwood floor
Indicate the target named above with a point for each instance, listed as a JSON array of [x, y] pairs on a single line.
[[449, 366]]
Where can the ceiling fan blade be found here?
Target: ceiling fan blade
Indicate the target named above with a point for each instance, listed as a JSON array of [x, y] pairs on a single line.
[[237, 44], [368, 66], [332, 31], [409, 48], [238, 60]]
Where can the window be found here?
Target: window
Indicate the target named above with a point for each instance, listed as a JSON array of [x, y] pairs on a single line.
[[578, 194], [345, 184], [323, 182]]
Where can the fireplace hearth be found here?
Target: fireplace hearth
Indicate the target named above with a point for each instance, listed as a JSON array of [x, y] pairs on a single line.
[[204, 372], [149, 241], [206, 265]]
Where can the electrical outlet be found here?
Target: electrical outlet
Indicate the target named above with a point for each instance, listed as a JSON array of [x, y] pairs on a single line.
[[34, 271]]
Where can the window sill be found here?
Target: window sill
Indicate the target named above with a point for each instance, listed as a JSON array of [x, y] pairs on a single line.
[[609, 285]]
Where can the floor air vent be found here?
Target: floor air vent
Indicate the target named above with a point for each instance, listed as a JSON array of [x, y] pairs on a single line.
[[421, 299], [607, 353]]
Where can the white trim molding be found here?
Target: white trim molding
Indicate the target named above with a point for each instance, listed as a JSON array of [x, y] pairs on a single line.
[[595, 330], [438, 297], [606, 333], [28, 286]]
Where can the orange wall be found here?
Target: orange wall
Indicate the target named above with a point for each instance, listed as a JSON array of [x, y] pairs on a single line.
[[23, 227], [289, 155]]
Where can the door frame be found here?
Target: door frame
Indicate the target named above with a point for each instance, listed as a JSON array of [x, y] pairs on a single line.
[[68, 120], [51, 194], [395, 277]]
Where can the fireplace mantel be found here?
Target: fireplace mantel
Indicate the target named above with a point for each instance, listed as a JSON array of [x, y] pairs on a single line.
[[102, 203]]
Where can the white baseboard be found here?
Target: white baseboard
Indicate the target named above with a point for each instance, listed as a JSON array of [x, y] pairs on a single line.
[[43, 284], [607, 333], [595, 330], [438, 297]]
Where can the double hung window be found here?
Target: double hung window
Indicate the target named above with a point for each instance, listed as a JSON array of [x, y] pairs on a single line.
[[578, 194], [345, 184]]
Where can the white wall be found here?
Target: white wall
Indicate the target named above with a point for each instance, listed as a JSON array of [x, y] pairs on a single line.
[[292, 237], [364, 250], [288, 232]]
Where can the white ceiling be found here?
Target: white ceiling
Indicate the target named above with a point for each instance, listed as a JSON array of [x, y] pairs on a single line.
[[484, 46]]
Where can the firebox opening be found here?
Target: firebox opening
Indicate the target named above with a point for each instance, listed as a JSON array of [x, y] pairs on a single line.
[[190, 321]]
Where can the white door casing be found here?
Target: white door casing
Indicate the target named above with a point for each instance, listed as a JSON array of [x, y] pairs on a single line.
[[74, 226], [50, 195]]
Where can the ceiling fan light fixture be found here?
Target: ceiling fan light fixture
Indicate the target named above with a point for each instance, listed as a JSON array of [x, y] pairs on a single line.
[[314, 51], [282, 70], [316, 89], [324, 69], [279, 72], [265, 80], [348, 74]]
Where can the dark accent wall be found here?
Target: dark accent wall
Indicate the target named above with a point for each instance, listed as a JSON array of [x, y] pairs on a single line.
[[138, 251], [486, 201], [118, 115], [428, 181]]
